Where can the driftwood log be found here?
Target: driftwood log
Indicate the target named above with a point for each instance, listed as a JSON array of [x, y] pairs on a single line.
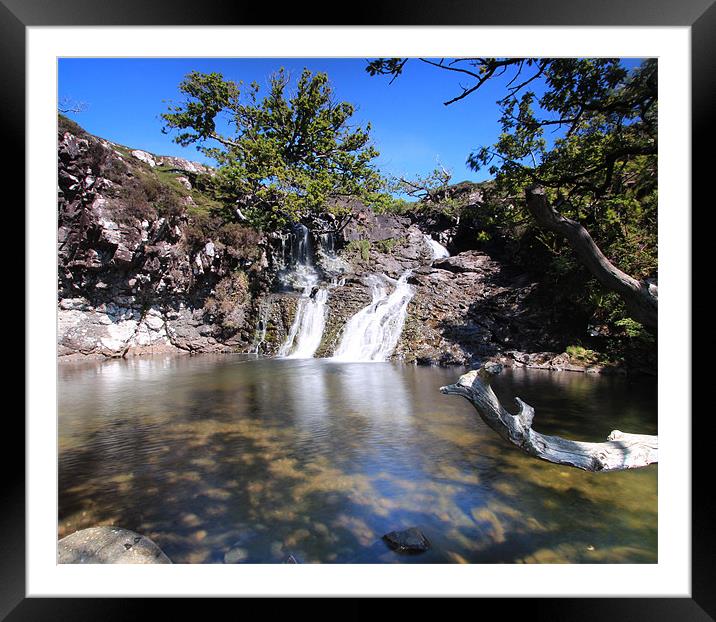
[[621, 450]]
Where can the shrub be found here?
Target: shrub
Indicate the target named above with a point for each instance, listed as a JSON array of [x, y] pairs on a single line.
[[362, 247], [152, 187], [241, 242], [237, 236], [115, 170], [65, 124], [231, 294], [97, 156], [168, 204], [201, 227], [582, 354], [386, 246], [132, 203], [396, 206]]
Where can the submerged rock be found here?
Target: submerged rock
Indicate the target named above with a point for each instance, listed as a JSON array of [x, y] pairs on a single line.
[[410, 540], [236, 555], [109, 545]]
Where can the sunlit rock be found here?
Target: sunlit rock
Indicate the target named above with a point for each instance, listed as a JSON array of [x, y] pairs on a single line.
[[109, 545]]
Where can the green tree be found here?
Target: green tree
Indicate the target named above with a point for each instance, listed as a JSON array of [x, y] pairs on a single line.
[[430, 187], [288, 156], [580, 158]]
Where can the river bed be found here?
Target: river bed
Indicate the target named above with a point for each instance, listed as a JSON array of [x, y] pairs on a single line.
[[238, 458]]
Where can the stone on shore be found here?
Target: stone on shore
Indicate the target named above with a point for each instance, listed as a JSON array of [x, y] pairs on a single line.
[[109, 545]]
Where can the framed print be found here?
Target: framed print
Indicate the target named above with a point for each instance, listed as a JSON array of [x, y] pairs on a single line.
[[289, 302]]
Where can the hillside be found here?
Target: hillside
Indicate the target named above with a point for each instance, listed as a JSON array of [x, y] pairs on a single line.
[[150, 262]]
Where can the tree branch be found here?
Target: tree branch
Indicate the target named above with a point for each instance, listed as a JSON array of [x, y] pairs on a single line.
[[640, 298], [224, 141], [621, 451]]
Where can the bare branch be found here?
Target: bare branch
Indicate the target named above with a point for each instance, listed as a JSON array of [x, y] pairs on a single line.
[[621, 451], [69, 105]]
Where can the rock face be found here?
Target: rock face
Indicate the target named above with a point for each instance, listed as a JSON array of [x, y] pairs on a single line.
[[137, 274], [366, 225], [131, 278], [109, 545], [466, 316]]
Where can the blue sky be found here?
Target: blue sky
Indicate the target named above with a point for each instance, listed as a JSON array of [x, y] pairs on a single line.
[[412, 128]]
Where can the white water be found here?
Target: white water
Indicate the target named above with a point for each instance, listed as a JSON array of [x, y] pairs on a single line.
[[437, 249], [306, 332], [373, 332], [330, 262]]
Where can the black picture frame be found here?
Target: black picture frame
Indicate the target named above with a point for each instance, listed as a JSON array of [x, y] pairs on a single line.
[[699, 15]]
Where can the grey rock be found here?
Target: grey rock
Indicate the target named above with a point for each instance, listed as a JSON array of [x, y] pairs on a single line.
[[367, 225], [182, 164], [469, 261], [144, 156], [410, 540], [109, 545], [236, 555]]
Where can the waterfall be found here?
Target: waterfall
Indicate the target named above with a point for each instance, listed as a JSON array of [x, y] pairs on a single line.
[[330, 262], [327, 242], [373, 332], [306, 331], [301, 249], [298, 271], [262, 325], [437, 249]]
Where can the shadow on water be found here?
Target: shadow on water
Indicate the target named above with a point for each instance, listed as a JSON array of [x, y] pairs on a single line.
[[255, 459]]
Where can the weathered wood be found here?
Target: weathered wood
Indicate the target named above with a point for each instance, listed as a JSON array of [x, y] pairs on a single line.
[[621, 450]]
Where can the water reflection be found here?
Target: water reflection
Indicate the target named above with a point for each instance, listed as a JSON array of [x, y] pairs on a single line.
[[255, 458], [375, 390]]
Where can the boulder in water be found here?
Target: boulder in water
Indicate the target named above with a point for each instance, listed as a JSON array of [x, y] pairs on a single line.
[[410, 540], [236, 555], [109, 545]]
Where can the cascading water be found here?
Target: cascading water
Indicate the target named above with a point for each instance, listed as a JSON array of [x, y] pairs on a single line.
[[261, 327], [327, 242], [329, 261], [306, 332], [437, 249], [373, 332], [298, 271]]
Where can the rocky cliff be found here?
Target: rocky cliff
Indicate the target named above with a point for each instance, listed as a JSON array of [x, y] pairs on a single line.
[[136, 271], [148, 262]]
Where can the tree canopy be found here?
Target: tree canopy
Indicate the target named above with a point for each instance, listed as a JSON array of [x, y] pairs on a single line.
[[286, 154], [584, 131], [430, 187]]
